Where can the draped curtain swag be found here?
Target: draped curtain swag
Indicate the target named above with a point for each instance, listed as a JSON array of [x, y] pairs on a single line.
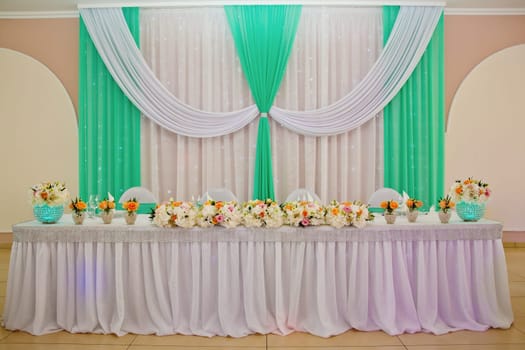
[[108, 123], [264, 36], [407, 42], [415, 123]]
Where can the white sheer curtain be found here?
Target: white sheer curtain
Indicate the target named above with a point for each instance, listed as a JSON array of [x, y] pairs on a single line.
[[192, 52], [334, 49]]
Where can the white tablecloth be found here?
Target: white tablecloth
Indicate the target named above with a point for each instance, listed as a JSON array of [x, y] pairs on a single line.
[[144, 279]]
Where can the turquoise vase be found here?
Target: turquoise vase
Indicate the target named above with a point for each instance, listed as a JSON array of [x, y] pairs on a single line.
[[48, 214], [470, 211]]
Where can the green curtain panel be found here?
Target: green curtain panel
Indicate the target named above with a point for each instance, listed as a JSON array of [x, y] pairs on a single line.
[[414, 126], [109, 124], [263, 36]]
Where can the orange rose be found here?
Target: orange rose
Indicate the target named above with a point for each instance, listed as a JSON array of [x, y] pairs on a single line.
[[410, 203], [81, 205], [305, 213], [71, 206], [335, 211], [419, 204], [111, 205], [103, 205], [394, 205], [131, 206], [459, 190], [451, 204], [384, 204], [261, 214], [219, 205], [442, 204], [43, 195]]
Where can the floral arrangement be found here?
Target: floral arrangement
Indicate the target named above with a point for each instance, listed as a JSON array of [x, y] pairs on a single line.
[[173, 213], [347, 213], [78, 206], [413, 204], [106, 205], [303, 213], [470, 190], [389, 206], [50, 193], [131, 206], [257, 213], [446, 203], [225, 214]]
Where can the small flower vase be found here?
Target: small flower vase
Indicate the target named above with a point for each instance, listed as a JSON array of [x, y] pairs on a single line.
[[444, 217], [470, 211], [78, 218], [48, 214], [106, 216], [131, 218], [390, 218], [412, 215]]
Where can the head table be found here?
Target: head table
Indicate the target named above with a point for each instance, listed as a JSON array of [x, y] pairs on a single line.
[[118, 278]]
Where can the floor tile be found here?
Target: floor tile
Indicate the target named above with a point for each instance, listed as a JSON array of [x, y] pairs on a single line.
[[255, 340], [517, 289], [466, 347], [61, 347], [350, 338], [193, 347], [492, 336], [519, 323], [518, 306], [400, 347], [69, 338]]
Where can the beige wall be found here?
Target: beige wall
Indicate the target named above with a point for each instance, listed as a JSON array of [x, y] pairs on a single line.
[[39, 140], [468, 41], [54, 42]]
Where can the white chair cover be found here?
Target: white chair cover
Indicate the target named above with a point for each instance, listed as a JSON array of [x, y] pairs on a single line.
[[141, 194], [384, 194], [302, 194], [219, 194]]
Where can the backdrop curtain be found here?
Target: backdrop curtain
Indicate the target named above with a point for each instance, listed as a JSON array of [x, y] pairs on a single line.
[[109, 124], [263, 36], [414, 124], [191, 51], [335, 47]]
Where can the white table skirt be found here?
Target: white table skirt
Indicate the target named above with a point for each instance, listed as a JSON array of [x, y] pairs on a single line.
[[147, 280]]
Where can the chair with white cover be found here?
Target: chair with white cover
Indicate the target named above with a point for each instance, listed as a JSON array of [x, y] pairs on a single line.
[[303, 194], [142, 195], [219, 194], [384, 194]]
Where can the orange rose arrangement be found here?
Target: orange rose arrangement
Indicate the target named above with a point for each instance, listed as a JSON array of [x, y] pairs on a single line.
[[106, 205], [78, 206], [446, 203], [389, 206], [131, 206], [413, 204]]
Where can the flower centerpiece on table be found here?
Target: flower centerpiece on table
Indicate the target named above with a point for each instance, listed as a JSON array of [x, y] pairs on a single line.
[[258, 213], [470, 196], [78, 207], [347, 213], [48, 200], [413, 205], [303, 213], [445, 206], [108, 207], [390, 206], [131, 206], [175, 213], [226, 214]]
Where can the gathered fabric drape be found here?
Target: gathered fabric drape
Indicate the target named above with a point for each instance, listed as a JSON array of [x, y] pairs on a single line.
[[191, 51], [334, 49], [126, 64], [407, 42], [263, 36], [415, 124], [108, 123]]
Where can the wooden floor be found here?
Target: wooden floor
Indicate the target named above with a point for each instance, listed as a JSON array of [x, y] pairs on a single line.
[[494, 339]]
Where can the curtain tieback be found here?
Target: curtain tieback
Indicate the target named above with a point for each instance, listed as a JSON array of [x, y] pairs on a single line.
[[264, 115]]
